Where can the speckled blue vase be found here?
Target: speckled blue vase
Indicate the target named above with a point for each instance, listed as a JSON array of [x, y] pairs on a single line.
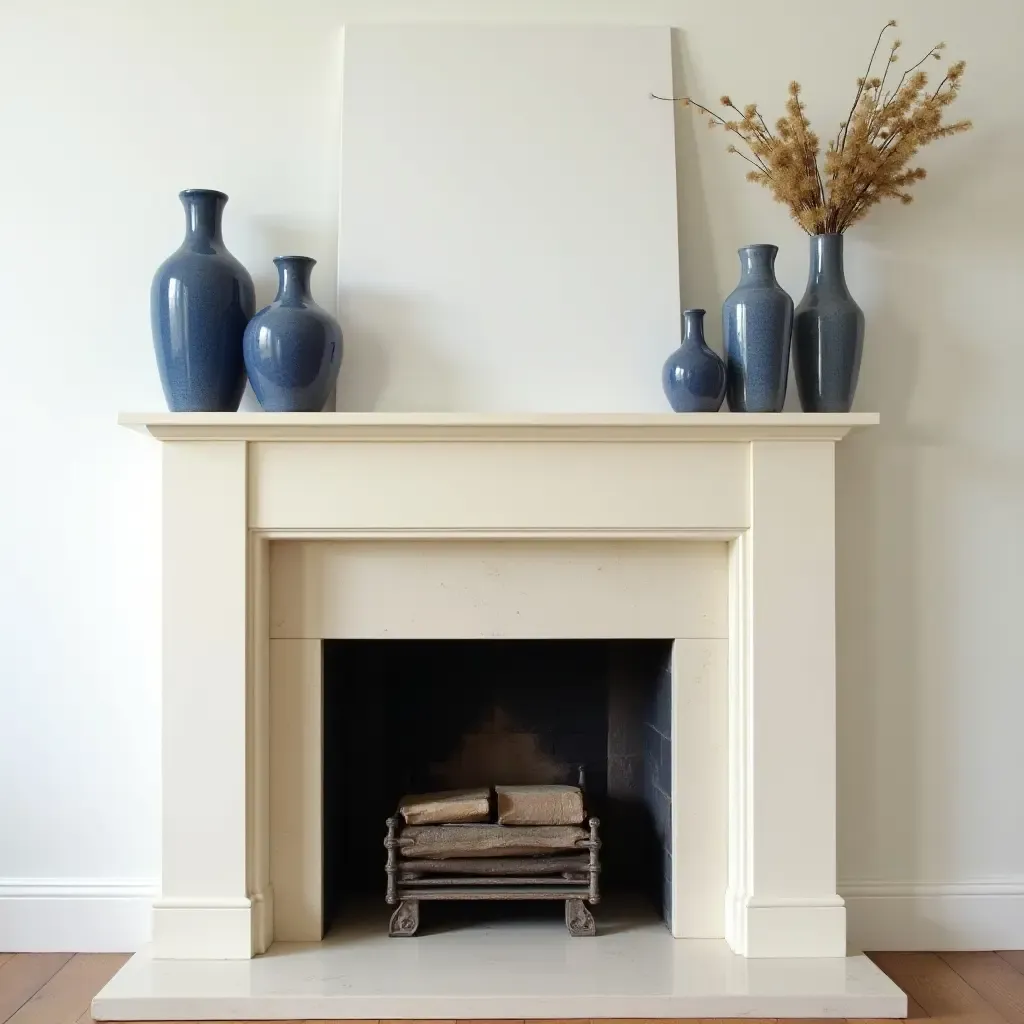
[[757, 323], [293, 347], [828, 333], [694, 376], [200, 302]]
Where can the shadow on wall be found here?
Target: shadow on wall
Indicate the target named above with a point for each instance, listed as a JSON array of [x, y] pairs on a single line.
[[876, 508], [699, 285], [408, 323], [920, 617]]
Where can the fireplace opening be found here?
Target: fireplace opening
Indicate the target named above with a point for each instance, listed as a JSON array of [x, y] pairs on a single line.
[[418, 716]]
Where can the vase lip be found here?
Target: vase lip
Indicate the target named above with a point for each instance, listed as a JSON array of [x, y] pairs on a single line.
[[197, 193], [828, 234], [687, 312], [758, 245], [308, 260]]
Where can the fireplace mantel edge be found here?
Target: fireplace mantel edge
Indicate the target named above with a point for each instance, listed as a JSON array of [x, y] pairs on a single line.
[[430, 426]]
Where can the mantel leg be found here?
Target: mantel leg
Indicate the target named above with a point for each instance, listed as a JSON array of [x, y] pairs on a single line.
[[781, 900], [204, 910]]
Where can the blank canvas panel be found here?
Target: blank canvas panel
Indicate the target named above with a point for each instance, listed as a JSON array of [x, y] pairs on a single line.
[[508, 218]]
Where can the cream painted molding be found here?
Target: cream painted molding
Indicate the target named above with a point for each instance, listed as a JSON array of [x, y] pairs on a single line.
[[341, 426], [101, 915], [233, 484]]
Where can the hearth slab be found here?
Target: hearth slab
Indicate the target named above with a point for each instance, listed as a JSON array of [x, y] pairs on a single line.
[[515, 969]]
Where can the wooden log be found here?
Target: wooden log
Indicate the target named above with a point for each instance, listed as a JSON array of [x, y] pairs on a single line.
[[449, 807], [495, 892], [557, 865], [444, 841], [509, 881], [539, 805]]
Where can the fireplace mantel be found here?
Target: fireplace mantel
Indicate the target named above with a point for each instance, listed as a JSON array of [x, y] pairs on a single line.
[[433, 426], [306, 492]]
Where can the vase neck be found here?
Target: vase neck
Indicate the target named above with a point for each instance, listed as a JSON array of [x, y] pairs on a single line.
[[757, 264], [293, 273], [826, 263], [693, 326], [203, 210]]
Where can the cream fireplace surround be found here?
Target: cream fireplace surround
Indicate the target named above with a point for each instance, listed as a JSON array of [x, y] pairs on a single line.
[[715, 531]]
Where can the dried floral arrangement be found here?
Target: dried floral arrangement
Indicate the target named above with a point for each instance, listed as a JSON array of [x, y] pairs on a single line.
[[869, 159]]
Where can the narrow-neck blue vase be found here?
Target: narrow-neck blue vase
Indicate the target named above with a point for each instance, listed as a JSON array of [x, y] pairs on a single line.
[[293, 347], [757, 323], [200, 302], [693, 376], [828, 332]]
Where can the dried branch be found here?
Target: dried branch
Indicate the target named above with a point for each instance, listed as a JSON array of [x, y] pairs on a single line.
[[869, 159], [862, 81]]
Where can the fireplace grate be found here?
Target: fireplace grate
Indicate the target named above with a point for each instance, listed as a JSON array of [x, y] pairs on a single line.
[[465, 862]]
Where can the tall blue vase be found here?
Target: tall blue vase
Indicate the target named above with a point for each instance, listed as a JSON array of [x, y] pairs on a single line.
[[828, 333], [757, 323], [293, 347], [200, 302], [694, 376]]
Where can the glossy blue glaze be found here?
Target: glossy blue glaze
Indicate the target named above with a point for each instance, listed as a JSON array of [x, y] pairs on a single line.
[[828, 333], [200, 302], [757, 323], [694, 376], [292, 347]]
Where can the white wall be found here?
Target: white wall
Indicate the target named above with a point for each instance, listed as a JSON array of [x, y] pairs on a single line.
[[111, 107]]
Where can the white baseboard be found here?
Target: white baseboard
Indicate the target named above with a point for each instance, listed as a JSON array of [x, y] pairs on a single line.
[[907, 916], [75, 915], [82, 915]]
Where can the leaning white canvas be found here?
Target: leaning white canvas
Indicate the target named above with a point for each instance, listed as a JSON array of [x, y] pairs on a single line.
[[507, 230]]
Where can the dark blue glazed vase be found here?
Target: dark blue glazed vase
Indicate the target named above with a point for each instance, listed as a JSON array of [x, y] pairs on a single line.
[[828, 333], [293, 347], [200, 302], [757, 323], [694, 376]]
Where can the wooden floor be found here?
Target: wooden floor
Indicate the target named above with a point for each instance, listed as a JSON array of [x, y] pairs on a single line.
[[955, 988]]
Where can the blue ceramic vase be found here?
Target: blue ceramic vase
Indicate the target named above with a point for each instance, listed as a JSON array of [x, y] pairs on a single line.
[[293, 347], [694, 376], [757, 323], [200, 302], [828, 333]]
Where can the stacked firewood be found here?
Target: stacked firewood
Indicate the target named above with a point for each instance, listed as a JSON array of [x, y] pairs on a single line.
[[509, 842], [476, 822]]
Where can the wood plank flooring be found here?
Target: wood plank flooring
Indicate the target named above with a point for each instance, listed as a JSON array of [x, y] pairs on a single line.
[[950, 988]]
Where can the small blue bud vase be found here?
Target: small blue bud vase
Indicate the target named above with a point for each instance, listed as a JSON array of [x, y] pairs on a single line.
[[293, 347], [828, 332], [200, 302], [694, 376], [757, 325]]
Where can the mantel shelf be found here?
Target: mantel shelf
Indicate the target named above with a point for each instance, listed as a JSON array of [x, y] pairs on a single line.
[[430, 426]]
